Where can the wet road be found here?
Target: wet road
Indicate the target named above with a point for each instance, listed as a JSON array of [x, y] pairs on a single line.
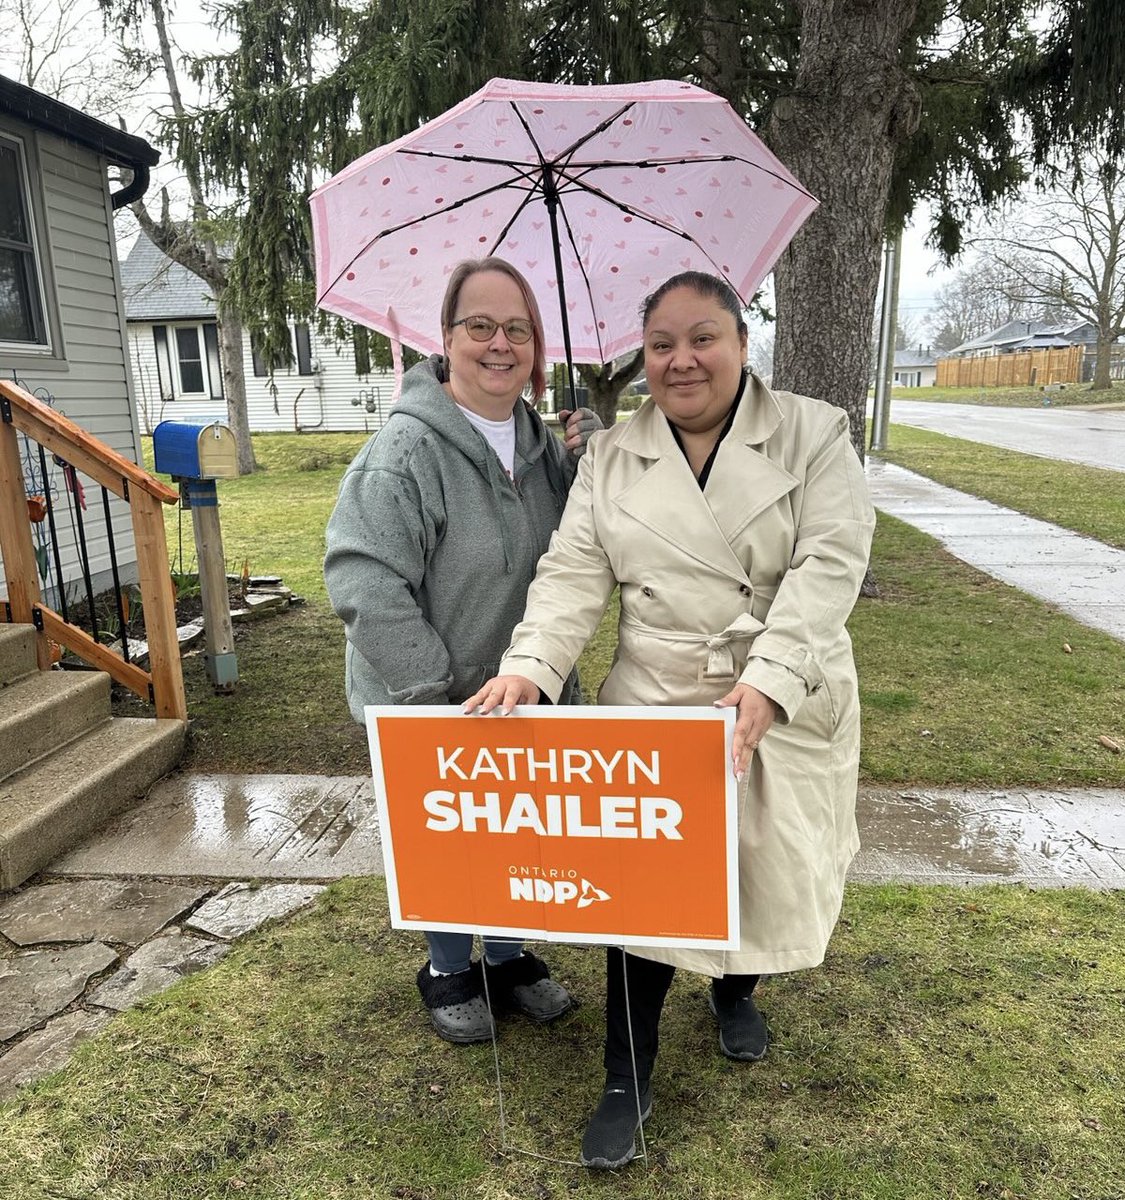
[[1095, 437]]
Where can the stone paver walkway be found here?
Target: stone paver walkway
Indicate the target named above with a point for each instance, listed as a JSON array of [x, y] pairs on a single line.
[[73, 952]]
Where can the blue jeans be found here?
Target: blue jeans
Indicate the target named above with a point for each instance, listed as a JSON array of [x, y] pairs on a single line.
[[453, 952]]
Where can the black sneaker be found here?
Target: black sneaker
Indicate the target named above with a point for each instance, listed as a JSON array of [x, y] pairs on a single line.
[[610, 1139], [525, 985], [742, 1028], [456, 1003]]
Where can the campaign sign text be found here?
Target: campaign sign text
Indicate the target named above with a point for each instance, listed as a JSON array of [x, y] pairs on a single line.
[[615, 825]]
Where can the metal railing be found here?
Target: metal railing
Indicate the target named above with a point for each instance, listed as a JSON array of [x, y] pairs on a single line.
[[73, 450]]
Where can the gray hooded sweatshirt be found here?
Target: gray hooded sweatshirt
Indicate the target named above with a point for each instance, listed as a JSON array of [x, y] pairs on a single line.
[[432, 547]]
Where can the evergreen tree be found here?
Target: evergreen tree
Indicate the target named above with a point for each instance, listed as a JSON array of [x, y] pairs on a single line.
[[876, 105]]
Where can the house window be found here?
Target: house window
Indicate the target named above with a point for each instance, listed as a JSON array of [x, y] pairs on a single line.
[[302, 353], [22, 320], [256, 359], [304, 349], [189, 360]]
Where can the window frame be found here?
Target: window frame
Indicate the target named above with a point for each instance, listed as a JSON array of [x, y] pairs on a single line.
[[169, 363], [39, 352]]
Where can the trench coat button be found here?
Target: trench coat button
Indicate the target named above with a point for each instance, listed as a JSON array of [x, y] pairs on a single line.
[[646, 591], [745, 590]]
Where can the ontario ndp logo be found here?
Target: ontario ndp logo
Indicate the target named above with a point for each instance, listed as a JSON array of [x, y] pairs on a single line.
[[553, 886]]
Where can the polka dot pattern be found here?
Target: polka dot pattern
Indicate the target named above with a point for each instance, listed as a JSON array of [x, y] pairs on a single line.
[[672, 181]]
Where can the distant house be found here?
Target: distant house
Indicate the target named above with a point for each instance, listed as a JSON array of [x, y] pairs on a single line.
[[62, 318], [915, 368], [1016, 336], [174, 355]]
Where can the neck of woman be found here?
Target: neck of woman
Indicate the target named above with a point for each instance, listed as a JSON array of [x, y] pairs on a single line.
[[698, 446], [492, 409]]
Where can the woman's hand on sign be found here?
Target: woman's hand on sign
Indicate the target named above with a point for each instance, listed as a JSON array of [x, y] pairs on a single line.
[[756, 713], [505, 692]]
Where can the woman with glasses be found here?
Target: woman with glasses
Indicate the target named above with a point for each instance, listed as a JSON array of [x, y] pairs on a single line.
[[439, 524]]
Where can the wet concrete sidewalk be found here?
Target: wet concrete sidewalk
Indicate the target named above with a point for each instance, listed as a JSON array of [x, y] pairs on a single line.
[[167, 887], [1077, 575], [308, 827]]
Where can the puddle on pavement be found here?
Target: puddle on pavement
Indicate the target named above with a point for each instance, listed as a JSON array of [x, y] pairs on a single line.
[[269, 826], [1077, 839]]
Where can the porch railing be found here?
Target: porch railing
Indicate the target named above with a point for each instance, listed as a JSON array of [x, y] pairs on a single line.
[[77, 450]]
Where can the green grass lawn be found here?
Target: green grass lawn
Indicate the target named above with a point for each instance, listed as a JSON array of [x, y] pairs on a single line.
[[1015, 397], [1086, 499], [956, 1045], [964, 680]]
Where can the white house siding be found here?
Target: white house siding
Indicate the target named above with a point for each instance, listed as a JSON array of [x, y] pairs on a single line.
[[92, 386], [922, 376], [304, 403]]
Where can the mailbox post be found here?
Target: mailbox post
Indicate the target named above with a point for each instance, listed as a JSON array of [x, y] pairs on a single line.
[[195, 456]]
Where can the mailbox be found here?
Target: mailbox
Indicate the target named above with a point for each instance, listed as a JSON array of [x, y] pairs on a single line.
[[197, 455], [189, 451]]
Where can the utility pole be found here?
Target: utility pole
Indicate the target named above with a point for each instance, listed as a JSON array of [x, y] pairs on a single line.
[[888, 326]]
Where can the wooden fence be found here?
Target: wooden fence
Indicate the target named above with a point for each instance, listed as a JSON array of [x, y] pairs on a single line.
[[1026, 368]]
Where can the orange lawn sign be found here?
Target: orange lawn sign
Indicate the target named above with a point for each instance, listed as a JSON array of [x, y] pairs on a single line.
[[575, 824]]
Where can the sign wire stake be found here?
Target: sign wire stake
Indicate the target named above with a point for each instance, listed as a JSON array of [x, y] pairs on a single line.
[[505, 1147], [633, 1052]]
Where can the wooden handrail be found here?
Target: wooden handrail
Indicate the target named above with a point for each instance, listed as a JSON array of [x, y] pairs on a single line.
[[163, 684], [82, 450]]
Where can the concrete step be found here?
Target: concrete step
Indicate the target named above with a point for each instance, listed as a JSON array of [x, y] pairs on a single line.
[[51, 805], [43, 711], [17, 652]]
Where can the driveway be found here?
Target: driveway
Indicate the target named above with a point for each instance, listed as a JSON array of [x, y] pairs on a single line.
[[1093, 437]]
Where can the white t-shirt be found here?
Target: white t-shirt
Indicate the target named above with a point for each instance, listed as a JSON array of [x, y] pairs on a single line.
[[500, 435]]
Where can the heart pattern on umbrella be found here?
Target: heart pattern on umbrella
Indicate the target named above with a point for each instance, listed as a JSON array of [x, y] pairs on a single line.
[[641, 175]]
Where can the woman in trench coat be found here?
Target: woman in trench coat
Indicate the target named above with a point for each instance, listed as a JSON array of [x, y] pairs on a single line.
[[737, 523]]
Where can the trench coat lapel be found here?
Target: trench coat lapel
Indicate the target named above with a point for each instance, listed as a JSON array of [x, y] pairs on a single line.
[[667, 499]]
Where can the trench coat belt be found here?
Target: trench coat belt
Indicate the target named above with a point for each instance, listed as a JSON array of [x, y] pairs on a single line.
[[720, 657]]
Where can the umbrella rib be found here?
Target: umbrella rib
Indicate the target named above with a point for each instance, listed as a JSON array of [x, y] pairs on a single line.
[[654, 221], [592, 133], [418, 221], [649, 164], [465, 158]]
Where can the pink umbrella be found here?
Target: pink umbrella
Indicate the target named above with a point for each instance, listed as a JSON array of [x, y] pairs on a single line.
[[597, 194]]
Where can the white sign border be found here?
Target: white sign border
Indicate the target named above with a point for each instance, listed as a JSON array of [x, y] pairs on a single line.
[[372, 713]]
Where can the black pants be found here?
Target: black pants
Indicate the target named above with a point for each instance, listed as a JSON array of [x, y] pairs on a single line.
[[648, 985]]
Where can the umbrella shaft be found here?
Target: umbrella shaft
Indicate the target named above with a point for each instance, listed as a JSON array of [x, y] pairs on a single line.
[[551, 199]]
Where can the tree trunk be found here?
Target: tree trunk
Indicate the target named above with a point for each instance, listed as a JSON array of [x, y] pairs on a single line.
[[852, 104], [1103, 381], [606, 383], [234, 388]]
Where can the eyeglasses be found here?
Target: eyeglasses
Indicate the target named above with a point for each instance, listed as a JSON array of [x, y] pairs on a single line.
[[480, 329]]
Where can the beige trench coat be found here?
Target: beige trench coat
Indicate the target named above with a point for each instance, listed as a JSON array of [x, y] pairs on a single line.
[[752, 581]]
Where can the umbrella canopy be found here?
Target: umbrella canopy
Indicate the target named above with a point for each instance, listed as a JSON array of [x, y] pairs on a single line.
[[596, 194]]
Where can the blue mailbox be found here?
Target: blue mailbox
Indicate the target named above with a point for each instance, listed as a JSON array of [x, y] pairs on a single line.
[[188, 451], [197, 455]]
